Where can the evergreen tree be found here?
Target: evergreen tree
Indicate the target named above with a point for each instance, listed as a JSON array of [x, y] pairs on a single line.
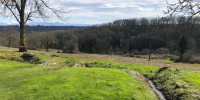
[[183, 46]]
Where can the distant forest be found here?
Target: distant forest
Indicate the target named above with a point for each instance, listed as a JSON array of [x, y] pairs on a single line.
[[39, 28], [124, 36]]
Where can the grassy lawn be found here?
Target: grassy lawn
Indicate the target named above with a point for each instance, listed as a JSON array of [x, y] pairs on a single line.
[[23, 81], [192, 77], [99, 79], [175, 83]]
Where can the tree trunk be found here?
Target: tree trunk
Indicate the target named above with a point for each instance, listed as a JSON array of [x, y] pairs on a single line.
[[47, 46], [181, 57], [9, 40], [22, 47]]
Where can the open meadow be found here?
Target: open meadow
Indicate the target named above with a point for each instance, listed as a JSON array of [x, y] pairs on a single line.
[[99, 50], [88, 76]]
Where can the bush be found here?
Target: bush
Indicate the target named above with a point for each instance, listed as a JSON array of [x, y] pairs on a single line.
[[54, 55], [175, 58], [72, 48], [162, 51], [145, 52], [135, 52], [35, 60], [195, 59], [70, 60], [14, 57], [183, 46], [10, 57], [102, 64], [189, 58]]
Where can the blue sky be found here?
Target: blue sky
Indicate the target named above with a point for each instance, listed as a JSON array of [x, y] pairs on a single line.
[[103, 11]]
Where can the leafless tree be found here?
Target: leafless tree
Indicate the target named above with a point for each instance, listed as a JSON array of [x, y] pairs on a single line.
[[47, 39], [9, 34], [25, 10], [188, 8]]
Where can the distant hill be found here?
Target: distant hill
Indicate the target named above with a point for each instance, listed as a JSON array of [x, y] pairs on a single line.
[[56, 24], [40, 28], [49, 28], [46, 24]]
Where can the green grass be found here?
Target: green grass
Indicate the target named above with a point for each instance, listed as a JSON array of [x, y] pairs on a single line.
[[168, 61], [175, 83], [23, 81], [145, 70], [192, 77], [170, 81], [82, 83]]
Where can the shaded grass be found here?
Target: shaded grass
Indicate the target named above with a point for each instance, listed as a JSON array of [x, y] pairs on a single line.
[[22, 81]]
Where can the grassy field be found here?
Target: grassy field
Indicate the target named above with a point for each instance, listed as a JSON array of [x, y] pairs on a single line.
[[22, 81], [87, 76]]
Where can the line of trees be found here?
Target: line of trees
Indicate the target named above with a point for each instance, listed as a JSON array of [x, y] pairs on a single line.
[[39, 28], [119, 37]]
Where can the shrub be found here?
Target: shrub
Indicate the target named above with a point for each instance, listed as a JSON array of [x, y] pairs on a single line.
[[183, 46], [135, 52], [189, 58], [145, 52], [175, 58], [14, 57], [35, 60], [102, 64], [10, 57], [195, 59], [70, 60], [162, 51], [54, 55]]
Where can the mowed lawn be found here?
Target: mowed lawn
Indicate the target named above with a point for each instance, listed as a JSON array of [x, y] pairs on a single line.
[[22, 81]]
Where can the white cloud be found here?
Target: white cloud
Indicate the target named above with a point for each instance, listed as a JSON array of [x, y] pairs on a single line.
[[100, 11], [109, 10]]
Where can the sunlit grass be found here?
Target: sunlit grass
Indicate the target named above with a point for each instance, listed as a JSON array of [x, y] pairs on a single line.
[[23, 81], [58, 63]]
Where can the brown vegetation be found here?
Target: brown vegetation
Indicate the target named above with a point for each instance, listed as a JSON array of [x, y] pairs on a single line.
[[128, 60]]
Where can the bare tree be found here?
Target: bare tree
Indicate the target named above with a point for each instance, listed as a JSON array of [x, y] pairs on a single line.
[[47, 39], [189, 8], [25, 10], [9, 31]]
